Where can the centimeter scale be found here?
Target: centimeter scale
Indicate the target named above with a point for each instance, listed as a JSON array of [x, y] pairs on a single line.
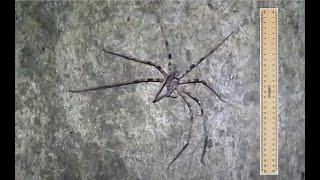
[[268, 91]]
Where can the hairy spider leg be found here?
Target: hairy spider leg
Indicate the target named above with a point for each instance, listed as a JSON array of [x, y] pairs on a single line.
[[204, 57], [193, 81], [162, 30], [190, 128], [204, 123], [119, 84], [139, 61]]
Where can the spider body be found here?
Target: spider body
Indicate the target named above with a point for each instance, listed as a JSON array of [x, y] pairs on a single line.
[[171, 86], [172, 82]]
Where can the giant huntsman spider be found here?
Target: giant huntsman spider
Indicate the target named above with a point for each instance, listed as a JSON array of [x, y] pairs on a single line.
[[172, 82]]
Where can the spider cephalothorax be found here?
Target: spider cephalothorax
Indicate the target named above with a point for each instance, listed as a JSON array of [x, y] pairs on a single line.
[[172, 81]]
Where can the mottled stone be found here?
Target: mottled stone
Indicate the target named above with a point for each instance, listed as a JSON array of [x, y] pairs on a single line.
[[119, 133]]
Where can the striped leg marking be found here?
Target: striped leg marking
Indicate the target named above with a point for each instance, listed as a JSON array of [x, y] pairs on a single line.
[[205, 56], [119, 84], [190, 129], [139, 61], [204, 124], [192, 81], [162, 31]]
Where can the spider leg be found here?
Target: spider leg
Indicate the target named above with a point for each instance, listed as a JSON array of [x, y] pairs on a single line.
[[191, 81], [204, 123], [204, 57], [159, 91], [158, 98], [139, 61], [190, 129], [118, 84], [162, 31], [167, 94]]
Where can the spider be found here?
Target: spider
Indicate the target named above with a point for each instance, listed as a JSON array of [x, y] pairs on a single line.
[[172, 81]]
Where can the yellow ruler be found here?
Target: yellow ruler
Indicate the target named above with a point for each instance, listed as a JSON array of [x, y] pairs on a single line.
[[268, 91]]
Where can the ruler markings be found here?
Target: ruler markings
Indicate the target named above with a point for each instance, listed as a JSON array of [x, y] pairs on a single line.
[[268, 91]]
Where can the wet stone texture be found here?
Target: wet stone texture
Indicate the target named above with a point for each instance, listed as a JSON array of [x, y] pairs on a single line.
[[119, 133]]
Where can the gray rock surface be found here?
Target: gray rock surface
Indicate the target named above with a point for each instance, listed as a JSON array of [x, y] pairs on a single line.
[[119, 133]]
